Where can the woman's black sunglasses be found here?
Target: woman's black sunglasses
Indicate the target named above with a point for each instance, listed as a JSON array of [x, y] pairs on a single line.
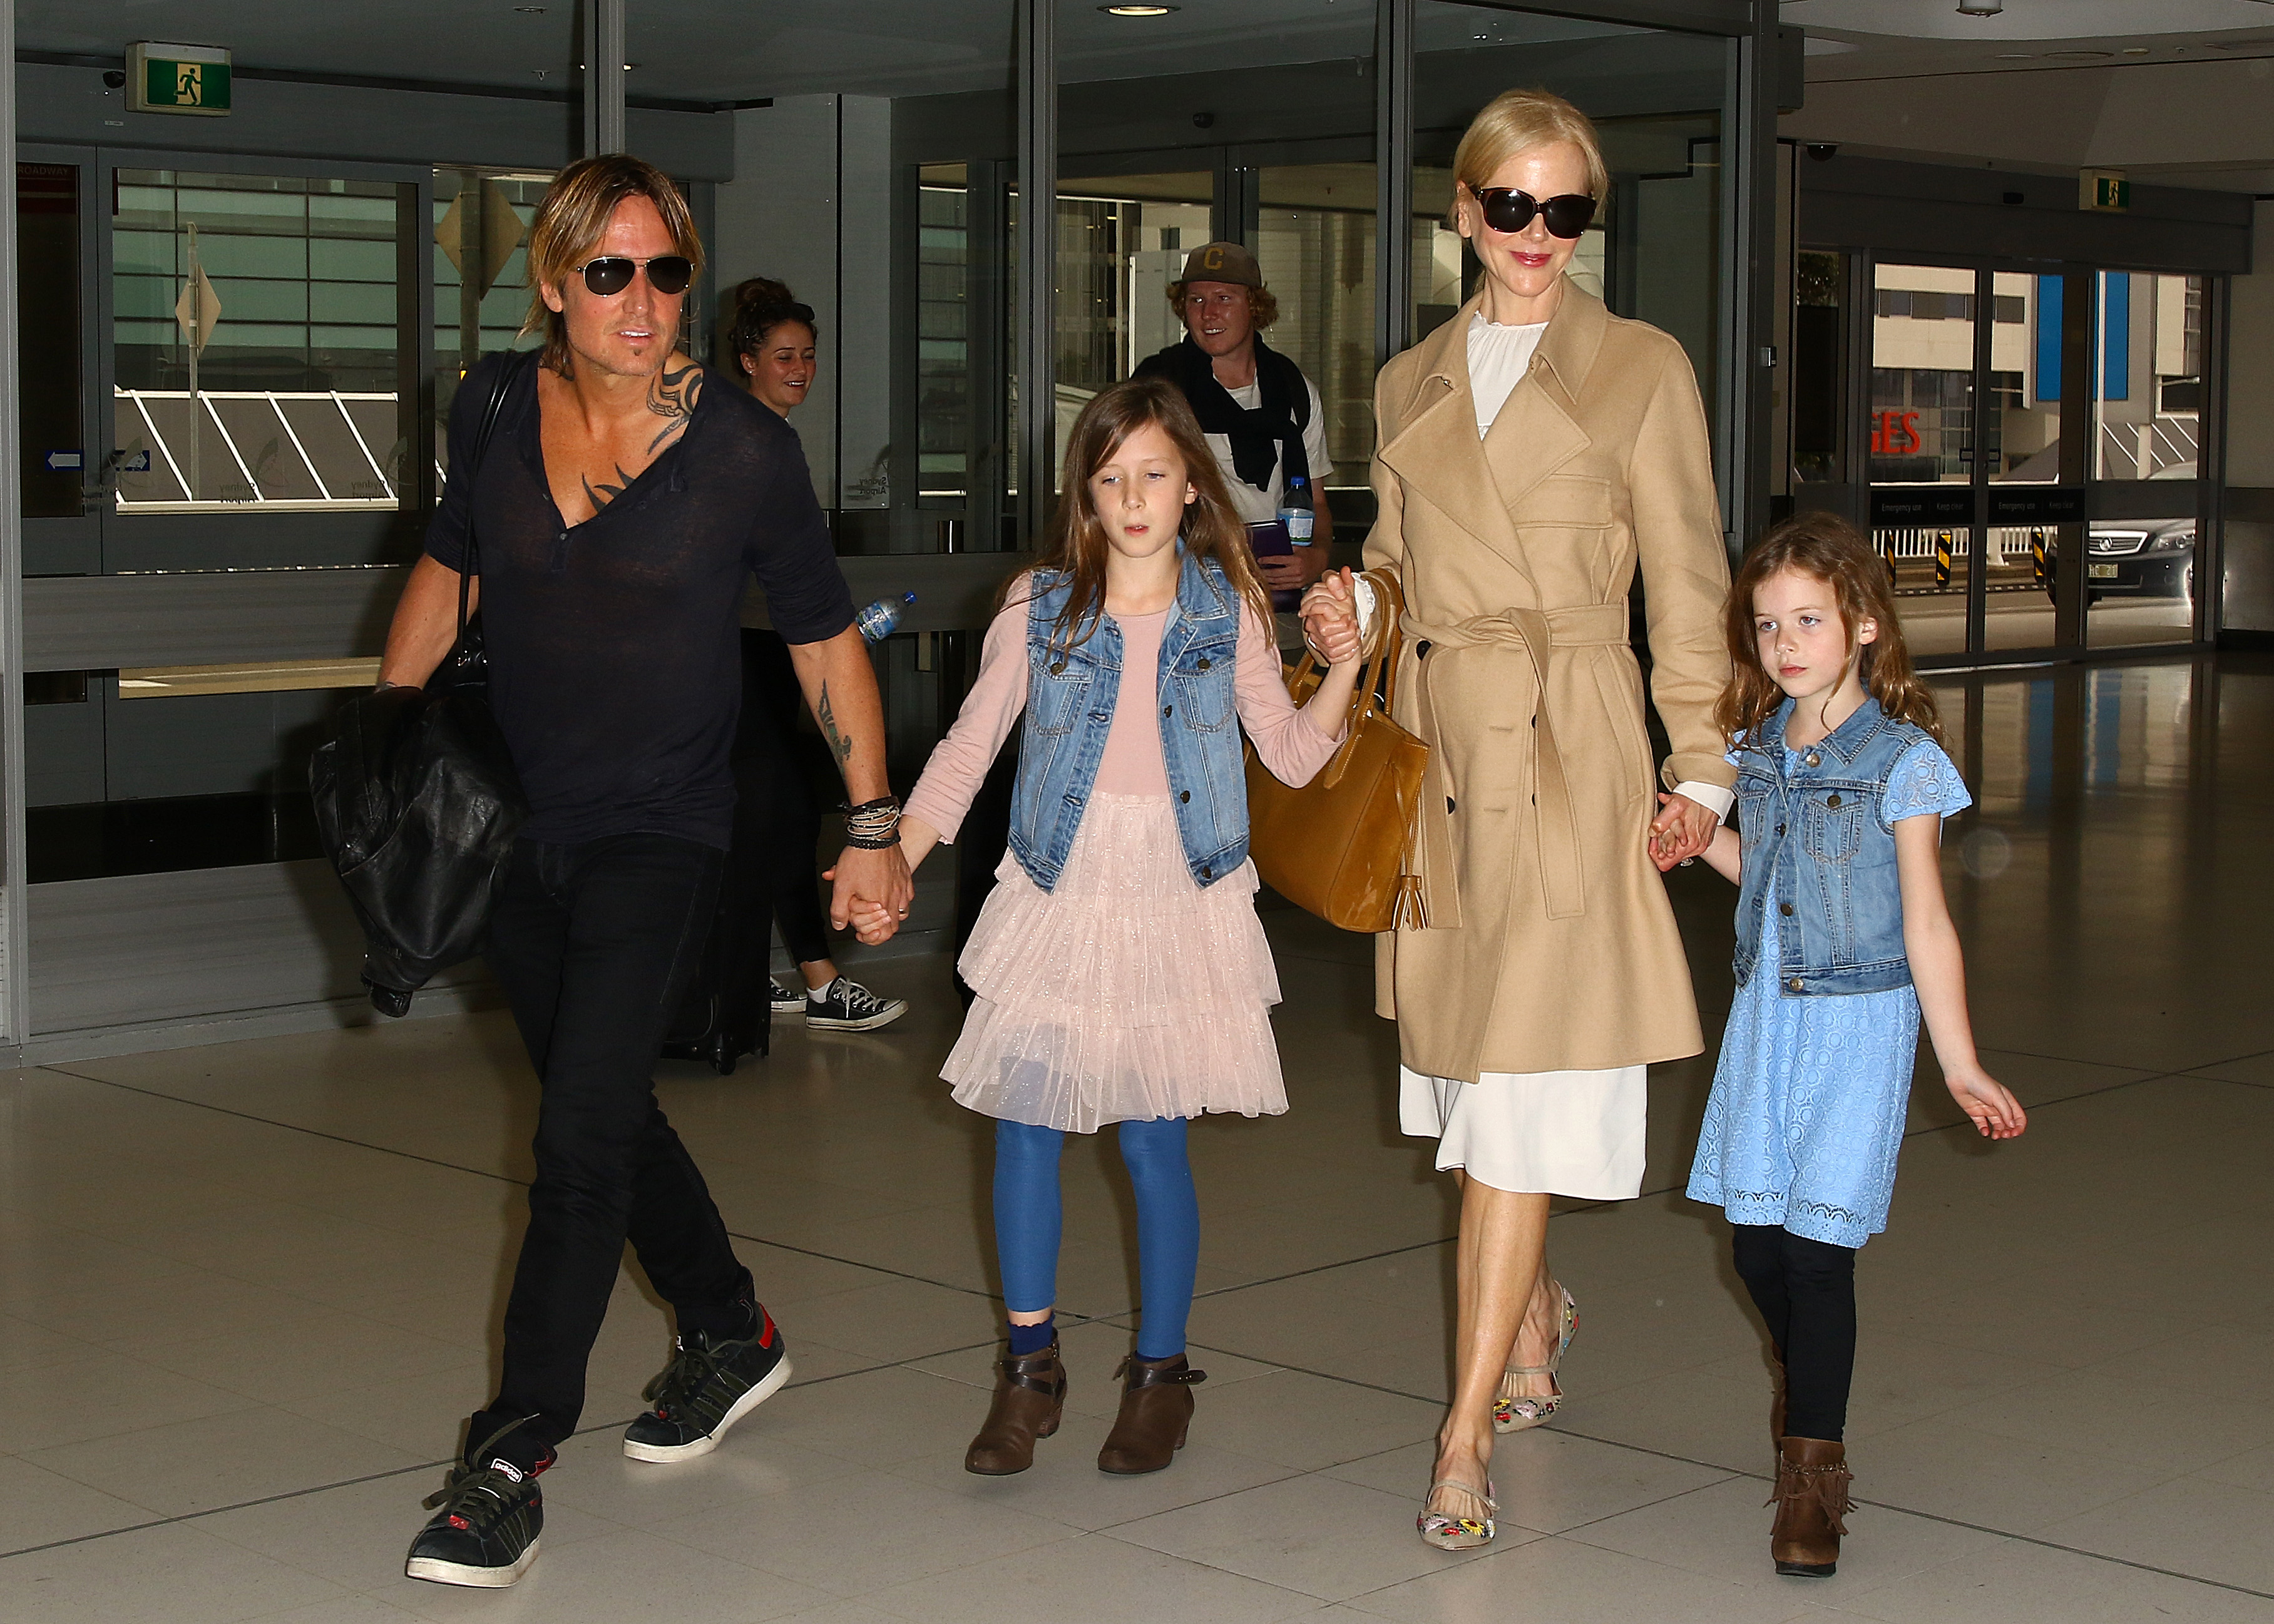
[[1507, 209], [611, 274]]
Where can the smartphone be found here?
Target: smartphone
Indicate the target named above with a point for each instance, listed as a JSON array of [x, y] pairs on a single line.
[[1268, 538]]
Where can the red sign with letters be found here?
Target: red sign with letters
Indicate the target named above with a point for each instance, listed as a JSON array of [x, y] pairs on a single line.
[[1895, 433]]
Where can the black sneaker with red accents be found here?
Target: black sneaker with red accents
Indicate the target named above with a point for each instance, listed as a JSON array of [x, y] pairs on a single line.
[[484, 1534], [707, 1388]]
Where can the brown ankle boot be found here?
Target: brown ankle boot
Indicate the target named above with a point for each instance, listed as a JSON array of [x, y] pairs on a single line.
[[1157, 1407], [1029, 1397], [1811, 1498]]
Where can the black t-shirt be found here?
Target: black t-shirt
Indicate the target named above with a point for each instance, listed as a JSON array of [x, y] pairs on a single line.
[[615, 669]]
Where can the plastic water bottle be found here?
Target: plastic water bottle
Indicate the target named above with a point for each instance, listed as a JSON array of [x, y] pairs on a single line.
[[1295, 513], [878, 619]]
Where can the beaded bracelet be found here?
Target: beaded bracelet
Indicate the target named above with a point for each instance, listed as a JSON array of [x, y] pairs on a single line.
[[873, 826]]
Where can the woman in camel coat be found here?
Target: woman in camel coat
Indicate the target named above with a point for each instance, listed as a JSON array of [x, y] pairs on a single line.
[[1535, 451]]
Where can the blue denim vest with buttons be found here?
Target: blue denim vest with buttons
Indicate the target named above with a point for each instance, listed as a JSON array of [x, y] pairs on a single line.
[[1821, 830], [1071, 693]]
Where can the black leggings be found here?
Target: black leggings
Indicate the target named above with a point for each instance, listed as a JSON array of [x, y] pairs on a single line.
[[1806, 1292]]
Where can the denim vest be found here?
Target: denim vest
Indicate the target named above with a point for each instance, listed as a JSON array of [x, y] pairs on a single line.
[[1070, 698], [1822, 832]]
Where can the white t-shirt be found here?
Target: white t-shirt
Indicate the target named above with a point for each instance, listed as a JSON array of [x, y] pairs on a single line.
[[1255, 505]]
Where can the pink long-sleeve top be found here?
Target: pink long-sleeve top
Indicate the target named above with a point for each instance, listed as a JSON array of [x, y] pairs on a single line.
[[1133, 765]]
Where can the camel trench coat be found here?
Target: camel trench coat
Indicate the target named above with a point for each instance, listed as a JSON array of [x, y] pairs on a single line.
[[1549, 943]]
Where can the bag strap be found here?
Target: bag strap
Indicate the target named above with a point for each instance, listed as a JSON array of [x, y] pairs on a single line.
[[509, 373]]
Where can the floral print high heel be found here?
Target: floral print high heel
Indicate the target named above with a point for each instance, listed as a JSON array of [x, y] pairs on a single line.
[[1516, 1415]]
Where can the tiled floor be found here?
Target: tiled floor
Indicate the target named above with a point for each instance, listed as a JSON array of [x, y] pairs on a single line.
[[247, 1292]]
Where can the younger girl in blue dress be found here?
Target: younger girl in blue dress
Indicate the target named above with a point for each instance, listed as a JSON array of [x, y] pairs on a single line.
[[1843, 940]]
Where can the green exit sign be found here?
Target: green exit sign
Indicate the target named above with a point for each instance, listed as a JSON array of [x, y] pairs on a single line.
[[177, 79], [2103, 189]]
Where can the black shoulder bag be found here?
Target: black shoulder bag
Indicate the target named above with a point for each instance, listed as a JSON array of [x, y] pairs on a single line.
[[417, 800]]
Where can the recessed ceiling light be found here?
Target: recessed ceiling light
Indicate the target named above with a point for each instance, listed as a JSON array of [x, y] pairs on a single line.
[[2135, 51], [2080, 55], [2015, 55], [1137, 11]]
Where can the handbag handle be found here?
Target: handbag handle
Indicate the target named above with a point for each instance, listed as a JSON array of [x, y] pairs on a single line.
[[1389, 606], [507, 372]]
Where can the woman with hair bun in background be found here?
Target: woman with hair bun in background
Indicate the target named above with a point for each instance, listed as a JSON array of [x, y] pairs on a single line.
[[772, 340]]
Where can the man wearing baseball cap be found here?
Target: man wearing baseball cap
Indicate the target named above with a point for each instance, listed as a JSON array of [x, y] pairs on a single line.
[[1263, 417]]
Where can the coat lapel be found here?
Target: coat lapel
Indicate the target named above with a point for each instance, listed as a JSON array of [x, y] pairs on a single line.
[[1435, 450], [1535, 435]]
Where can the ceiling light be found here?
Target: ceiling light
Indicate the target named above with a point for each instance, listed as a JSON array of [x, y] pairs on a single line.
[[2080, 55], [1137, 10], [1980, 8]]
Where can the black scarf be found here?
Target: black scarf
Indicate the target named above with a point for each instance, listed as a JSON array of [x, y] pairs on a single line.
[[1273, 433]]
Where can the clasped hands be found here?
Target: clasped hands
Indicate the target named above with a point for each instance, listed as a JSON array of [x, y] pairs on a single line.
[[873, 890], [1681, 830], [1330, 613]]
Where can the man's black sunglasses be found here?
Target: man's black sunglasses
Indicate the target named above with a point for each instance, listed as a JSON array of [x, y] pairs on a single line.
[[612, 273], [1507, 209]]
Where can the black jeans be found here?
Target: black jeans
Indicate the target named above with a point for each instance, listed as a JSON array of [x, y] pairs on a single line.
[[594, 944], [1806, 1292]]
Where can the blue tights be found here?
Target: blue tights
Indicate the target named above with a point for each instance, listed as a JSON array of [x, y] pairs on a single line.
[[1028, 1218]]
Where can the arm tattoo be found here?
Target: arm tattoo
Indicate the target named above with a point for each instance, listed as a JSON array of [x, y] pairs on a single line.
[[673, 395], [840, 746], [603, 493]]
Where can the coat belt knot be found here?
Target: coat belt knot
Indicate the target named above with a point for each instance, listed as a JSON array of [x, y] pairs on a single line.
[[1543, 634]]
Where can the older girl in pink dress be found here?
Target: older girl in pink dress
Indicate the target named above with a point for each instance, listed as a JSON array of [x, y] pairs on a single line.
[[1121, 972]]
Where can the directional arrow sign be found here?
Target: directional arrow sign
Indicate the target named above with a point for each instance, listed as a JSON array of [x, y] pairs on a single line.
[[198, 309]]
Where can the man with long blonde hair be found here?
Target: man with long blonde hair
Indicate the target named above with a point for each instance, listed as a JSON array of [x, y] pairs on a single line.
[[610, 522]]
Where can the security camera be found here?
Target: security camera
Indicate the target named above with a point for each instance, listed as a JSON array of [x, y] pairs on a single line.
[[1822, 152], [115, 77]]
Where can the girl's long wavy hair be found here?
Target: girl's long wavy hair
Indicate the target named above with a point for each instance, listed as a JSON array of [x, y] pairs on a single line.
[[1077, 546], [1826, 548]]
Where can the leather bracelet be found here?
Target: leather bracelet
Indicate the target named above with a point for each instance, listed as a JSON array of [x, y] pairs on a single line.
[[873, 826]]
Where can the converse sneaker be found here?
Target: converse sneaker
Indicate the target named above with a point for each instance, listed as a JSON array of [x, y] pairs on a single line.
[[706, 1389], [845, 1005], [484, 1534], [785, 1001]]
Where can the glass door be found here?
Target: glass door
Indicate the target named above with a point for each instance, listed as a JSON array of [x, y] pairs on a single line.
[[1926, 440]]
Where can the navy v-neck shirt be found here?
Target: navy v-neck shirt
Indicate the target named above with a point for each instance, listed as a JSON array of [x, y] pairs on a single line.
[[614, 645]]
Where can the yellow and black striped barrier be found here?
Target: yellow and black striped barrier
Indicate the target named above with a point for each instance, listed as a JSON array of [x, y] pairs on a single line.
[[1942, 557], [1887, 550], [2041, 563]]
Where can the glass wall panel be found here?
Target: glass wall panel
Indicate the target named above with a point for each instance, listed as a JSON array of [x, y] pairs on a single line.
[[1819, 369], [1315, 240], [1924, 441], [50, 393], [256, 326], [479, 261], [2147, 402], [2024, 420]]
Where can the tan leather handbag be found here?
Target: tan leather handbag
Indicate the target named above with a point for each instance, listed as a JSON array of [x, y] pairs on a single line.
[[1337, 846]]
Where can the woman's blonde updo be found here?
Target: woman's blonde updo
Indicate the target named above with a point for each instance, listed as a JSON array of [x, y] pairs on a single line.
[[1517, 121]]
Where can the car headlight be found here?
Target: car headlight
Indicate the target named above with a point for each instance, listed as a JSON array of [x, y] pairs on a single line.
[[2173, 541]]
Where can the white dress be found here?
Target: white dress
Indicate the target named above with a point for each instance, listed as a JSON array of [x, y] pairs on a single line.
[[1575, 1133]]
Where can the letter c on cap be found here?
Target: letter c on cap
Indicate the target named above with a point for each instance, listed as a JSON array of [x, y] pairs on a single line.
[[1215, 261]]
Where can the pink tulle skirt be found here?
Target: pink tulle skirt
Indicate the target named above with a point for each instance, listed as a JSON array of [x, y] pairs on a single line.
[[1128, 992]]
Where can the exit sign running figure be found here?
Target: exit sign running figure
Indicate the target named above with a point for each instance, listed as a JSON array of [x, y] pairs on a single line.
[[177, 79]]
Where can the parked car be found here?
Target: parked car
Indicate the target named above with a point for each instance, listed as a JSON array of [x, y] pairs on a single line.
[[2141, 558]]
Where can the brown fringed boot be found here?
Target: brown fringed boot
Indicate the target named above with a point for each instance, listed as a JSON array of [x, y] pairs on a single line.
[[1157, 1408], [1030, 1398], [1811, 1499]]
